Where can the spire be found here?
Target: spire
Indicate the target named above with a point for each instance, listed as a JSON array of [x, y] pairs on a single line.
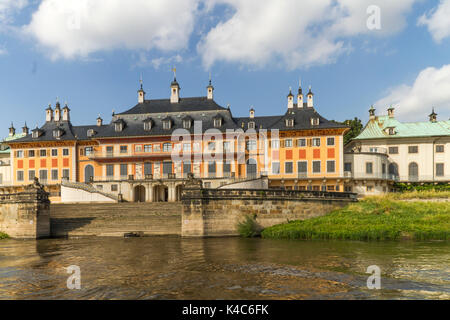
[[300, 90], [290, 99], [310, 98], [25, 129], [174, 88], [141, 92], [433, 116], [12, 130], [210, 89], [372, 113]]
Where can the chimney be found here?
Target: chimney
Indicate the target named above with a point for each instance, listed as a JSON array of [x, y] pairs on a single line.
[[57, 112], [141, 92], [12, 130], [49, 113], [25, 129], [433, 116], [310, 98], [372, 113], [66, 113], [391, 112], [300, 96], [99, 121], [210, 90], [290, 99]]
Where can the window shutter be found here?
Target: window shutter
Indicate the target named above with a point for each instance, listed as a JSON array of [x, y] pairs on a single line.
[[81, 152], [282, 143]]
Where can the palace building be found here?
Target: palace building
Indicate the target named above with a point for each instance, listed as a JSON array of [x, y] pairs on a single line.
[[132, 156], [388, 151]]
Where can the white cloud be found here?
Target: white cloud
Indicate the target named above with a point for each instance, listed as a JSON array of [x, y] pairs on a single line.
[[76, 28], [295, 33], [438, 21], [414, 102], [9, 7]]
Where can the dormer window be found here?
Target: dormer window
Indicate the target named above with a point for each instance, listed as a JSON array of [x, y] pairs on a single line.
[[36, 133], [251, 125], [217, 122], [391, 131], [315, 121], [119, 125], [289, 123], [167, 124], [187, 122], [57, 133], [90, 133], [148, 124]]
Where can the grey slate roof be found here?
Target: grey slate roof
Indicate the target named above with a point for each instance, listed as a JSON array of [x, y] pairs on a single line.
[[198, 109]]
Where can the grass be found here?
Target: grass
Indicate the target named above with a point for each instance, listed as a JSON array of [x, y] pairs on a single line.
[[374, 218], [249, 228], [3, 236], [427, 194]]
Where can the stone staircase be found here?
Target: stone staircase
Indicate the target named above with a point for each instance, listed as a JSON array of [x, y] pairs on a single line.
[[115, 219]]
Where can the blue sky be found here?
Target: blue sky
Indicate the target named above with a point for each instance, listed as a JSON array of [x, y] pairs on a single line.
[[93, 59]]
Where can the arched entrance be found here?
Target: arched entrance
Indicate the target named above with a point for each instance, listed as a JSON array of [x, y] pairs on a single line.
[[139, 194], [251, 168], [413, 172], [178, 191], [88, 173], [161, 193]]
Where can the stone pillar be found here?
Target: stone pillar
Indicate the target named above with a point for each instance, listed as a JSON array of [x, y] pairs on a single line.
[[26, 215], [172, 196], [192, 219], [150, 193]]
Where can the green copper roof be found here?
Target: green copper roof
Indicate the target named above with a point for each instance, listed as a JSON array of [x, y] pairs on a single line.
[[376, 129], [4, 148]]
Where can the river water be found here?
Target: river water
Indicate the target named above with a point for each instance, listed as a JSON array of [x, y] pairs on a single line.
[[224, 268]]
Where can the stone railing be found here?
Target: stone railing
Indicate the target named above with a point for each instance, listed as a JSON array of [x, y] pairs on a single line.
[[87, 188]]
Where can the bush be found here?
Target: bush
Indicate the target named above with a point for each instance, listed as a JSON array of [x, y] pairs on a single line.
[[249, 228], [3, 236]]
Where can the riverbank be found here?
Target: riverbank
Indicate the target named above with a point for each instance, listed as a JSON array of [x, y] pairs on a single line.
[[3, 236], [374, 218]]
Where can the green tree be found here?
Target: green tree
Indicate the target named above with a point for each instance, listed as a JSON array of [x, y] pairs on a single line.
[[355, 129]]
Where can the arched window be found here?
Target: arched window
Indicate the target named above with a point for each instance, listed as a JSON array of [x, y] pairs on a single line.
[[88, 173], [393, 169], [413, 171]]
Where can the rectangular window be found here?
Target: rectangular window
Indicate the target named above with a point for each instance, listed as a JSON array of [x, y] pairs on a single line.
[[55, 174], [316, 166], [148, 148], [19, 154], [369, 167], [43, 153], [138, 148], [301, 143], [110, 150], [226, 168], [393, 150], [383, 168], [439, 169], [114, 188], [31, 175], [440, 148], [331, 166], [66, 173], [196, 147], [186, 168], [123, 149], [251, 145], [147, 168], [123, 169], [167, 147], [316, 142], [31, 153], [227, 146], [43, 176], [275, 168], [110, 170], [88, 151], [54, 152], [167, 167], [288, 167], [212, 168], [186, 147], [288, 143], [275, 144], [156, 148], [348, 167], [19, 175], [413, 149], [65, 152], [211, 146], [302, 167], [330, 188], [330, 141]]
